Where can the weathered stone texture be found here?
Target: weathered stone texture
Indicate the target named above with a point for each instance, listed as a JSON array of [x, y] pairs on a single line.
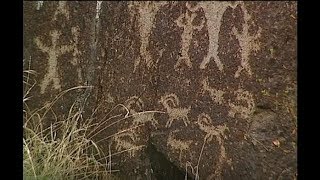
[[223, 73]]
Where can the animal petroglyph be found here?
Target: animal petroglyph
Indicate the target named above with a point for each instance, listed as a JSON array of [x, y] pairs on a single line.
[[214, 11], [126, 141], [177, 144], [173, 110], [247, 44], [243, 111], [53, 51], [215, 94], [135, 101], [147, 11], [185, 21], [61, 9], [205, 125]]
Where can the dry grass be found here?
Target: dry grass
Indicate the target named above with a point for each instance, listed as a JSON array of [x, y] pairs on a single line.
[[65, 148], [62, 150]]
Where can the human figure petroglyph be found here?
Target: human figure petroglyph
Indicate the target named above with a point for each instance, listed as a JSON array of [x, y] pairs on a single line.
[[243, 111], [53, 51], [173, 110], [215, 94], [147, 11], [98, 9], [126, 141], [214, 11], [177, 144], [61, 9], [39, 5], [205, 124], [185, 21], [247, 43], [142, 118], [76, 53]]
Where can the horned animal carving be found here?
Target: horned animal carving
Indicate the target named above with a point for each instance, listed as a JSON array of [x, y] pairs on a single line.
[[126, 142], [171, 103], [177, 144], [136, 105], [204, 123]]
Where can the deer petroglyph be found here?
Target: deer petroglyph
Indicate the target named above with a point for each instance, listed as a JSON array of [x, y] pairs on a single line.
[[135, 105], [185, 21], [174, 112]]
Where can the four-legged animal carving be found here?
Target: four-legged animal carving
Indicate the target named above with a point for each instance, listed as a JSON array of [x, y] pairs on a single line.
[[173, 110], [135, 105], [125, 141], [204, 123], [177, 144]]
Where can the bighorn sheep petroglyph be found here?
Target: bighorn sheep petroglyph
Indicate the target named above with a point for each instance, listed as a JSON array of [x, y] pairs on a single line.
[[173, 110]]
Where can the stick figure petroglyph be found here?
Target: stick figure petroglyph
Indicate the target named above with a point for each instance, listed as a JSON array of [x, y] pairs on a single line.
[[53, 51], [173, 110], [204, 123], [185, 21], [247, 43], [39, 5], [177, 144], [61, 9], [147, 13], [214, 12], [135, 101]]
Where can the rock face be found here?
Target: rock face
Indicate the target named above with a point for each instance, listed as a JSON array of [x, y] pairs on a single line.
[[211, 86]]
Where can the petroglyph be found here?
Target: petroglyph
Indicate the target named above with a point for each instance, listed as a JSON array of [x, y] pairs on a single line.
[[243, 111], [98, 8], [174, 112], [76, 52], [126, 141], [247, 43], [214, 11], [39, 5], [62, 9], [53, 52], [143, 118], [215, 94], [185, 21], [147, 11], [205, 124], [178, 145]]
